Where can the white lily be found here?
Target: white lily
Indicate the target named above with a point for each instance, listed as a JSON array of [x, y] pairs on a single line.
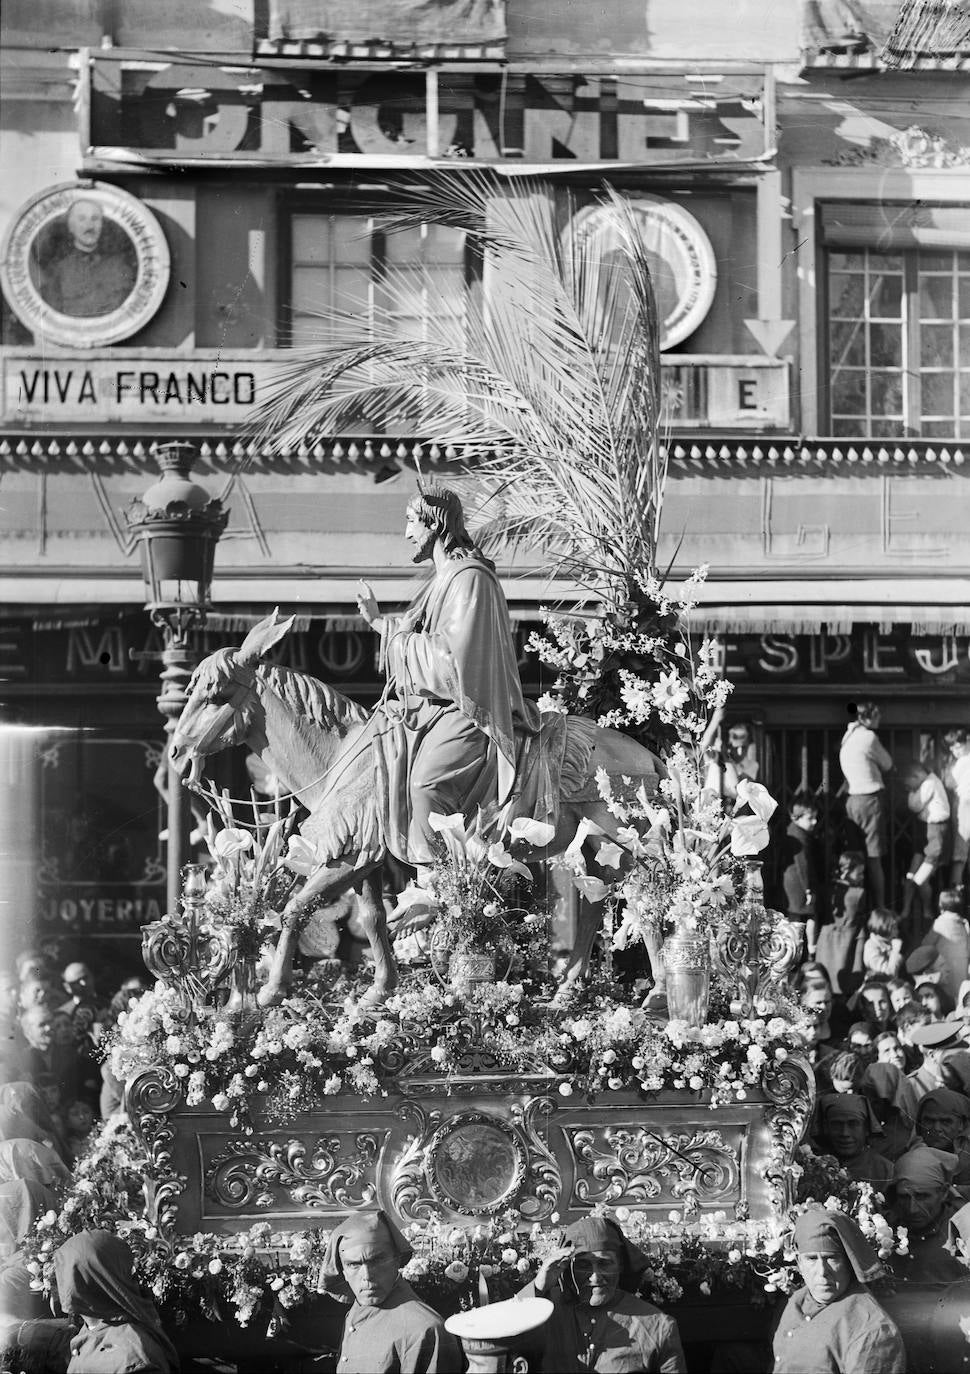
[[760, 800], [609, 855], [593, 889], [301, 856], [500, 857], [537, 833]]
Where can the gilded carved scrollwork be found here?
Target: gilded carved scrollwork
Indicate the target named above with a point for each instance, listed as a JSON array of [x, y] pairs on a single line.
[[333, 1172], [193, 962], [475, 1163], [753, 951], [638, 1165], [409, 1194], [150, 1098], [542, 1187], [790, 1089]]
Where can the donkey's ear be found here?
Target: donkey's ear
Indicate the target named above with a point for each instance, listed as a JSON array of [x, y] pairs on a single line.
[[263, 637]]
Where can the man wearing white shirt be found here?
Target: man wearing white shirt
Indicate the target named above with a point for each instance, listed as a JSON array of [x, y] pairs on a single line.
[[864, 763], [926, 798]]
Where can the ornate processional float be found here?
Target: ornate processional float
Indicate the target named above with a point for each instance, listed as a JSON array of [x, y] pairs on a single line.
[[478, 1086]]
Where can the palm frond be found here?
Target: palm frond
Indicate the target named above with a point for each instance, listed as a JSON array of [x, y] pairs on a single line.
[[548, 384]]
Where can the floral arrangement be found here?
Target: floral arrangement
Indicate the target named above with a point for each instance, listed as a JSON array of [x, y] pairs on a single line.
[[472, 893], [306, 1050], [256, 866], [678, 862]]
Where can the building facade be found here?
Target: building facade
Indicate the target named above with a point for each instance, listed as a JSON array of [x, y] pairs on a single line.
[[807, 209]]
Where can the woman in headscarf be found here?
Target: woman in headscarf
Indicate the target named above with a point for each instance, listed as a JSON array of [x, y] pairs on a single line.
[[834, 1325], [33, 1160], [389, 1330], [24, 1116], [955, 1071], [894, 1101], [924, 1201], [121, 1332], [22, 1201], [845, 1125], [942, 1119], [598, 1323]]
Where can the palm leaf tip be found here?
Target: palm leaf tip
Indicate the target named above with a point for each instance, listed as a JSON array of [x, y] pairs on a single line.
[[549, 377]]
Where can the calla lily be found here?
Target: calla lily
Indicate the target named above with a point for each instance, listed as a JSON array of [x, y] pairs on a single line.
[[455, 823], [609, 855], [500, 857], [532, 832], [301, 857], [230, 844], [760, 800], [412, 896], [572, 856], [593, 889], [749, 835], [452, 831]]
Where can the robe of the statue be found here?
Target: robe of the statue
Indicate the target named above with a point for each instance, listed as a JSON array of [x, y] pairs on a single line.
[[447, 737]]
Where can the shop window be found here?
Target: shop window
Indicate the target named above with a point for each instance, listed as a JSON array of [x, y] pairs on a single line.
[[344, 263], [898, 321]]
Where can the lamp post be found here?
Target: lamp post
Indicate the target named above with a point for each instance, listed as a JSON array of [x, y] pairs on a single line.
[[177, 524]]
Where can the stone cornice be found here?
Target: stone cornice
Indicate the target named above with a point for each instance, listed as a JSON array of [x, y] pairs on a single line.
[[56, 452]]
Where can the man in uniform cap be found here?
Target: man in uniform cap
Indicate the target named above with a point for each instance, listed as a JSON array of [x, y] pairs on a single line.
[[932, 1040], [388, 1329], [834, 1325], [597, 1322]]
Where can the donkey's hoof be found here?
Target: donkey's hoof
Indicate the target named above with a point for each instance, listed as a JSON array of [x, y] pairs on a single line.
[[270, 995]]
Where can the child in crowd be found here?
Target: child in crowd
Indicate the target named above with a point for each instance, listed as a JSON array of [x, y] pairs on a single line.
[[900, 989], [927, 799], [931, 996], [958, 781], [951, 936], [799, 875], [79, 1120], [883, 950], [840, 941]]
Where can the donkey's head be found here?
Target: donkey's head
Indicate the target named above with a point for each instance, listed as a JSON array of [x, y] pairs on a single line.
[[223, 708]]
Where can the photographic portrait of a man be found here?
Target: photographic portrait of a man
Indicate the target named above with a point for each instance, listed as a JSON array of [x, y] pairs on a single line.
[[83, 264]]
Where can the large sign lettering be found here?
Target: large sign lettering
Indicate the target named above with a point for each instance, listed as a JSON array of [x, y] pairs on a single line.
[[171, 111], [206, 386], [868, 655], [216, 386]]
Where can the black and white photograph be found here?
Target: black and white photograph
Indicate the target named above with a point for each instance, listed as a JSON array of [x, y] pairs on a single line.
[[484, 686]]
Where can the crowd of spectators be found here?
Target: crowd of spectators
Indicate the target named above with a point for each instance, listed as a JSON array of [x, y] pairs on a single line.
[[886, 992]]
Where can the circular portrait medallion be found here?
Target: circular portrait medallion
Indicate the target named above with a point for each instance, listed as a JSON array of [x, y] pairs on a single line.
[[84, 264], [475, 1164], [682, 263]]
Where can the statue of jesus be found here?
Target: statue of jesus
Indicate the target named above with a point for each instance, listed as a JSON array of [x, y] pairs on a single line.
[[453, 703]]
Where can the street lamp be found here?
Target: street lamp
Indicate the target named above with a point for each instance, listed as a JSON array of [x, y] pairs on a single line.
[[178, 524]]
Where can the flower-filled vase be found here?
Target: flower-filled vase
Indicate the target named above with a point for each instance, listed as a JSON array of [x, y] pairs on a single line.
[[687, 964]]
